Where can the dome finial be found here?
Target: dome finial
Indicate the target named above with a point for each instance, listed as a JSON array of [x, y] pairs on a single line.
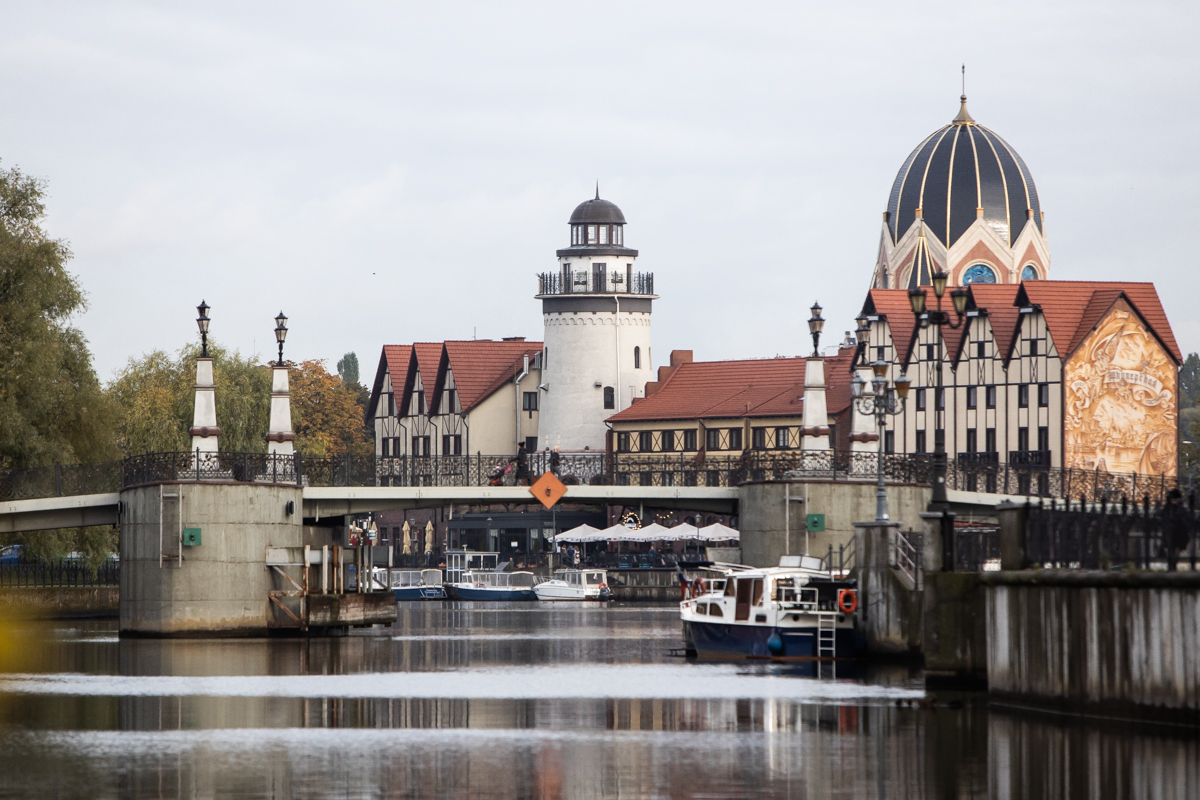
[[964, 117], [597, 190]]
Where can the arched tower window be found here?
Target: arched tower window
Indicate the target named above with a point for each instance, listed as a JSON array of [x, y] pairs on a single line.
[[1030, 273], [637, 358], [610, 400], [980, 273]]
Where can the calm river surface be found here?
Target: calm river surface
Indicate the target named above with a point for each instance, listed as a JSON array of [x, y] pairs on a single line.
[[521, 700]]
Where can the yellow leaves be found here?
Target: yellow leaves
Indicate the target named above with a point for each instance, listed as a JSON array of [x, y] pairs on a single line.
[[326, 415]]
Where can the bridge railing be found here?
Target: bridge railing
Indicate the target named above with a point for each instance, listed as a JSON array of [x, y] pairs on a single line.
[[60, 480]]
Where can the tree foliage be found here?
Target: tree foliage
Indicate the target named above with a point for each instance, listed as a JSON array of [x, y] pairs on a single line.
[[1189, 381], [155, 396], [347, 368], [52, 407], [326, 414]]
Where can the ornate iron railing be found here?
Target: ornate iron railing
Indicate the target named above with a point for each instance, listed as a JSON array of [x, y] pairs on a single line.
[[33, 574], [1101, 536], [60, 480], [152, 468], [610, 283]]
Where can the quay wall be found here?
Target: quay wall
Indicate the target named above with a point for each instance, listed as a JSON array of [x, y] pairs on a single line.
[[66, 602], [1105, 643]]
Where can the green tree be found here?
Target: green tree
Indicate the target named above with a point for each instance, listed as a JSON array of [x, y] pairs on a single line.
[[155, 396], [51, 404], [327, 416], [1189, 381], [348, 368]]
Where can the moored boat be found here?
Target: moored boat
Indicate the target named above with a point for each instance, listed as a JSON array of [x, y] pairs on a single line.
[[575, 584], [484, 585], [424, 584], [799, 609]]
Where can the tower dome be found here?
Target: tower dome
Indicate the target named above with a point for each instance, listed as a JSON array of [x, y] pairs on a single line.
[[974, 199], [601, 212]]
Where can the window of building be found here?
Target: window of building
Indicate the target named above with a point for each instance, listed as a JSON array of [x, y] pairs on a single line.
[[879, 351], [530, 444], [591, 234], [610, 397], [972, 397], [920, 442], [689, 440], [712, 439], [637, 358], [981, 349], [889, 441], [1030, 273], [1023, 397], [920, 399], [758, 438], [618, 235], [1033, 347], [420, 446], [452, 444], [396, 449], [989, 440], [735, 438], [451, 401], [645, 441], [1043, 438], [979, 273], [941, 398], [971, 442], [622, 442], [385, 447], [990, 393], [668, 441], [1022, 438], [781, 438], [421, 401], [529, 401], [603, 234], [391, 404], [1043, 395], [931, 352]]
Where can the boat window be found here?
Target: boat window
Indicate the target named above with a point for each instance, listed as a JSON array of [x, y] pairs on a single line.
[[785, 590], [714, 610], [701, 608], [595, 578], [743, 599], [729, 587], [756, 595]]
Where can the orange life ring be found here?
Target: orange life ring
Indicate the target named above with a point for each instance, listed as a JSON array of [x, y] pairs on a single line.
[[847, 607], [698, 587]]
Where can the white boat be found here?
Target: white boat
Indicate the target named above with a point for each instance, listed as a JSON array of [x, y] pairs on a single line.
[[417, 584], [490, 585], [575, 584], [798, 609]]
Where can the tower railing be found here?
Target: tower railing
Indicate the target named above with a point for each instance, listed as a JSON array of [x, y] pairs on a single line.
[[580, 282]]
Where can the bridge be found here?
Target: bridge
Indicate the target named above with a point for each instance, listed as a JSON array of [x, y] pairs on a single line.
[[67, 496]]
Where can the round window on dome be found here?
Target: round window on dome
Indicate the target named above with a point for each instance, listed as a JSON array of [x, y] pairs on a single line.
[[1030, 273], [980, 273]]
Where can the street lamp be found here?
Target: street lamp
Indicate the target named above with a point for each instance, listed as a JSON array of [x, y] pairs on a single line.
[[202, 321], [882, 404], [280, 334], [815, 324], [939, 319]]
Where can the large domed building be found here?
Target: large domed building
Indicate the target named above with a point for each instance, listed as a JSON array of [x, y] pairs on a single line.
[[965, 203]]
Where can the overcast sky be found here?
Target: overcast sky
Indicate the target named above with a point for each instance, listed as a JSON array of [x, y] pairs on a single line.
[[386, 173]]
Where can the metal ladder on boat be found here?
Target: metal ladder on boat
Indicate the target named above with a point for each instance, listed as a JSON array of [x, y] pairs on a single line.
[[826, 635]]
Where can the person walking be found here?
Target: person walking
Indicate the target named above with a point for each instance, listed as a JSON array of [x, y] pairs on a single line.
[[1176, 528], [522, 461]]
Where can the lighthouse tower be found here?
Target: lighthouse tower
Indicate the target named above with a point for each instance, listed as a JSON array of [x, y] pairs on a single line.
[[596, 311]]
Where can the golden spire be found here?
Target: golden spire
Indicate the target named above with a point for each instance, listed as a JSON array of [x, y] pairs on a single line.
[[963, 118]]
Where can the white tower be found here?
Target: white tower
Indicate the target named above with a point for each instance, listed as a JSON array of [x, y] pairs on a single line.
[[596, 311]]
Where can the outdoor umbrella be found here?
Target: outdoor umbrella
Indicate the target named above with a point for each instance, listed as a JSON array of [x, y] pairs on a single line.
[[407, 544], [719, 533], [429, 536], [583, 533]]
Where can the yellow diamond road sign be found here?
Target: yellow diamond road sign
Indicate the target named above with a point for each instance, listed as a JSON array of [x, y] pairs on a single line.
[[548, 489]]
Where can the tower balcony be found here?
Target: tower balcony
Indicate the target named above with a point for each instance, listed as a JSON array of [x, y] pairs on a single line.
[[596, 282]]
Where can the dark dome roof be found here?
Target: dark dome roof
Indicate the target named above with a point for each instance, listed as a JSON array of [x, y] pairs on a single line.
[[957, 169], [597, 211]]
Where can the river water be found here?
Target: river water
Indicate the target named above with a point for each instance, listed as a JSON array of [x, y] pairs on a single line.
[[523, 700]]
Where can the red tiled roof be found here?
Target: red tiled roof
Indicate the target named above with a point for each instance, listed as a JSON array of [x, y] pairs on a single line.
[[838, 373], [768, 387], [998, 300], [482, 367], [1073, 308], [893, 305], [429, 357], [395, 359]]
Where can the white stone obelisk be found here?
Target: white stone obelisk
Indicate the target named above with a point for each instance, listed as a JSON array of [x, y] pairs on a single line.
[[815, 431], [863, 436], [279, 433], [204, 429]]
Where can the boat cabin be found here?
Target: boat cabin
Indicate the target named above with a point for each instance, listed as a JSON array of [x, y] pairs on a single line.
[[459, 562]]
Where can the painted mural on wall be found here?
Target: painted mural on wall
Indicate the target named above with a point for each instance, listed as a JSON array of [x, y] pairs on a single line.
[[1121, 390]]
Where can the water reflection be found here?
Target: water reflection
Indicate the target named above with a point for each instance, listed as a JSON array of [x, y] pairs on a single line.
[[457, 700]]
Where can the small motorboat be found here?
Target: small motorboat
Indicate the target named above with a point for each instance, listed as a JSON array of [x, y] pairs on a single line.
[[798, 609], [495, 585], [575, 584], [413, 584]]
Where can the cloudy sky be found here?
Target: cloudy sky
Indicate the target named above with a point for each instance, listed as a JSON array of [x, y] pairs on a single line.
[[387, 173]]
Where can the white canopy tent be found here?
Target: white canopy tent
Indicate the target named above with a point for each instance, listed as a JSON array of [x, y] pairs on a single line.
[[719, 533], [583, 533], [649, 533]]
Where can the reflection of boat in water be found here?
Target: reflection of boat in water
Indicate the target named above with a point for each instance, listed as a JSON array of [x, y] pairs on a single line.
[[481, 585], [798, 609], [414, 584], [574, 584]]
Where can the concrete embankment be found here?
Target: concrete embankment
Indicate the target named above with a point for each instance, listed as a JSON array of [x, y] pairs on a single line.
[[1115, 644], [71, 602]]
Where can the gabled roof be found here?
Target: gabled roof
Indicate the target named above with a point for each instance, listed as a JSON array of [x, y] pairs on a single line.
[[482, 367], [838, 373], [893, 305], [1073, 308], [999, 302], [429, 358], [722, 389], [394, 360]]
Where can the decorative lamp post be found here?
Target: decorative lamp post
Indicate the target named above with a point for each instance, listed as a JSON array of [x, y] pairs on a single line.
[[939, 319], [882, 403], [202, 322], [280, 333], [815, 324]]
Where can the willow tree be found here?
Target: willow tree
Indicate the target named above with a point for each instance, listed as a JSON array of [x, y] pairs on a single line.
[[52, 408]]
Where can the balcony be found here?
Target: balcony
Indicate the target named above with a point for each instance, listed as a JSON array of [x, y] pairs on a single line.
[[615, 282], [1033, 459], [978, 459]]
